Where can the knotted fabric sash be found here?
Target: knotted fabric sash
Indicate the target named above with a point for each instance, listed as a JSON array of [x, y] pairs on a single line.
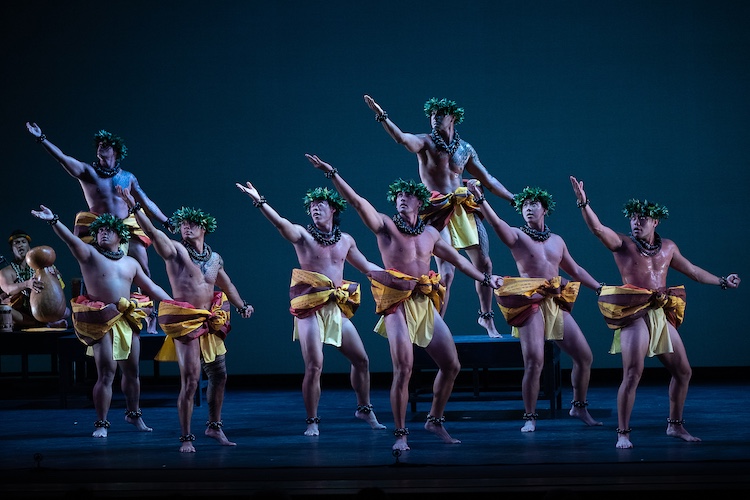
[[454, 210], [184, 322], [309, 291], [93, 319], [520, 298]]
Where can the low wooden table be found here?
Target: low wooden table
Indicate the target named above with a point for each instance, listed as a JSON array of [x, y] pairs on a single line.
[[481, 354]]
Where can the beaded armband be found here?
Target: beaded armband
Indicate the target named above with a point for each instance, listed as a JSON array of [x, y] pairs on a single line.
[[486, 280], [599, 290], [259, 202], [581, 204], [244, 307], [479, 200], [54, 220], [381, 117], [723, 283], [135, 208], [41, 138]]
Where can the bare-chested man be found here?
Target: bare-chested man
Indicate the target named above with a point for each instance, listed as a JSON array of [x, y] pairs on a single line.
[[106, 319], [197, 320], [538, 304], [408, 295], [443, 157], [18, 281], [322, 301], [644, 312]]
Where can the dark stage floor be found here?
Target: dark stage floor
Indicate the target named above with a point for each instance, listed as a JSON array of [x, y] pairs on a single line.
[[48, 452]]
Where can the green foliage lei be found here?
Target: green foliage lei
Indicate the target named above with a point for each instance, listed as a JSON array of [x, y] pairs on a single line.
[[322, 193], [195, 215], [534, 194], [114, 223], [645, 207], [446, 106], [410, 187], [110, 139]]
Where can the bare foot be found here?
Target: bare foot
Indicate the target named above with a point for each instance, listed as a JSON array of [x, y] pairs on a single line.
[[312, 430], [370, 418], [440, 432], [623, 441], [187, 447], [100, 432], [584, 415], [489, 325], [529, 426], [401, 444], [678, 431], [218, 434], [138, 423]]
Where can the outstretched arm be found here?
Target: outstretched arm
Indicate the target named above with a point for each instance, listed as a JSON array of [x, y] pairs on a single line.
[[683, 265], [74, 167], [570, 266], [147, 285], [478, 171], [356, 258], [411, 142], [371, 217], [80, 250], [291, 232], [606, 235], [163, 244], [506, 233]]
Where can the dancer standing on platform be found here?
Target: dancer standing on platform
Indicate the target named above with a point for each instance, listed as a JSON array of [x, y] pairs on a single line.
[[322, 301], [408, 295], [443, 157], [196, 322], [644, 312], [106, 319], [537, 304], [99, 181]]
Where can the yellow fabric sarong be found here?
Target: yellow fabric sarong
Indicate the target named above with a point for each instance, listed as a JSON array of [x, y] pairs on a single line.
[[623, 305], [309, 291], [421, 298], [92, 320], [184, 322], [84, 220], [519, 298], [329, 324], [456, 211]]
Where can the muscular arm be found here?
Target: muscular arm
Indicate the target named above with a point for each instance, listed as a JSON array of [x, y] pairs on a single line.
[[611, 239], [570, 266], [411, 142], [695, 273], [506, 233], [80, 250], [163, 244], [154, 291], [478, 171], [356, 258], [446, 252], [369, 215], [290, 231], [226, 286], [148, 205], [74, 167]]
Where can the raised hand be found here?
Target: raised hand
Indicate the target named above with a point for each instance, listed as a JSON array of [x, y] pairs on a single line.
[[44, 213], [249, 190], [578, 190], [319, 164], [34, 129], [373, 105]]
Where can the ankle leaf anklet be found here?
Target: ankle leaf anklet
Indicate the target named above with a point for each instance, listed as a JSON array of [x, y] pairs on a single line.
[[134, 413], [675, 421], [102, 423], [312, 420], [579, 404], [401, 432], [187, 437], [624, 431], [530, 416], [435, 420], [486, 315], [214, 425], [364, 409]]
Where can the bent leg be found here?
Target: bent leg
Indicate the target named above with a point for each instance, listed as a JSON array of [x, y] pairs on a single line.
[[131, 386], [216, 372], [574, 345], [679, 367], [480, 257], [442, 350]]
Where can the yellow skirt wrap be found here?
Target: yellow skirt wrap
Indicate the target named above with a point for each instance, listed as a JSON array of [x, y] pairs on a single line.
[[310, 291], [519, 298], [329, 324], [183, 322], [456, 211], [623, 305], [421, 297], [84, 220], [92, 320]]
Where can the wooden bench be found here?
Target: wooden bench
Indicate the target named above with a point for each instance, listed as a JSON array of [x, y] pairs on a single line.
[[32, 342], [482, 355]]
